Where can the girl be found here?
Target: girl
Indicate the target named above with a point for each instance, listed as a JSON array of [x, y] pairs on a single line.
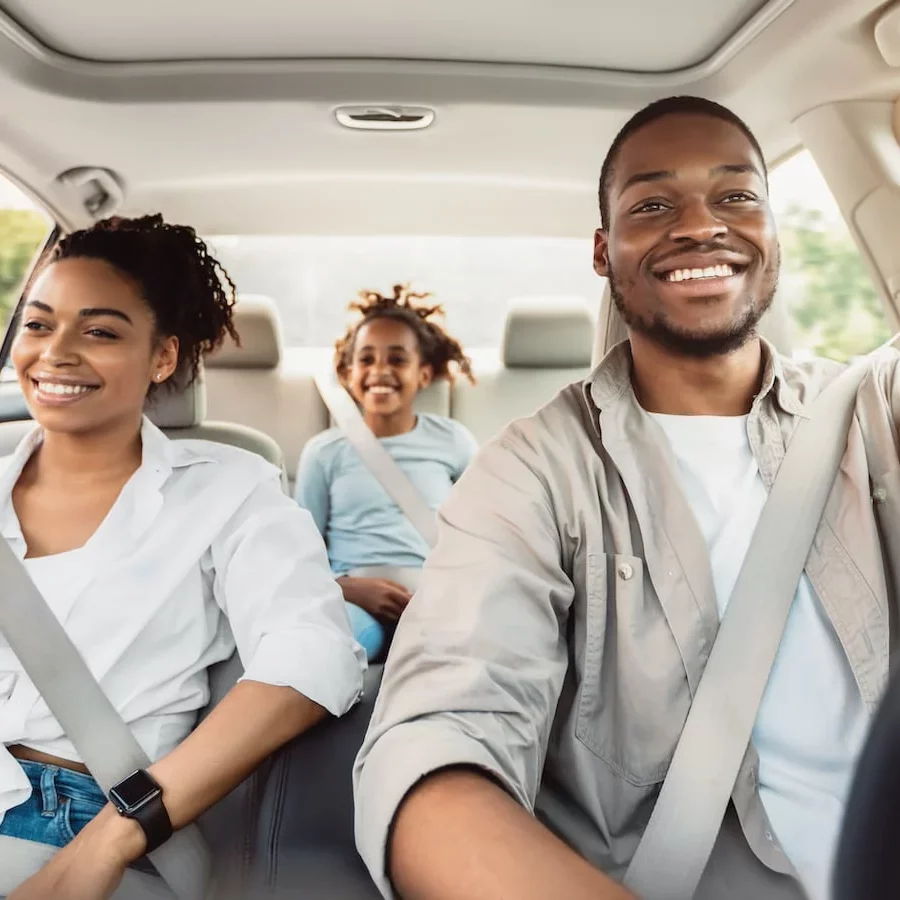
[[393, 351], [117, 526]]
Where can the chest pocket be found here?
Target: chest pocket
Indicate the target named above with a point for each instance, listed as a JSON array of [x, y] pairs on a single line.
[[633, 698]]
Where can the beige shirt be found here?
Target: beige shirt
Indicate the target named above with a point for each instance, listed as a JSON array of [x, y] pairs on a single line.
[[568, 611]]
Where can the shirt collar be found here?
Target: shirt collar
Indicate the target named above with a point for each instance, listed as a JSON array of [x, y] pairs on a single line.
[[160, 456], [612, 378]]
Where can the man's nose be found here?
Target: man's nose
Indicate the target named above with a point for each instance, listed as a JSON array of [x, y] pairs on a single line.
[[698, 223]]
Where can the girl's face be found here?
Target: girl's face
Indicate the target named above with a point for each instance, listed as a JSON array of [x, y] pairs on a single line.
[[386, 369], [87, 349]]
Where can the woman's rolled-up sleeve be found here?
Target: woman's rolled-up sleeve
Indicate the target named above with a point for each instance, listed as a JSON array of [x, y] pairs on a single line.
[[287, 613]]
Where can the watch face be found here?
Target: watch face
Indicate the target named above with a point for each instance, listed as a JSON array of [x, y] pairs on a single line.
[[134, 791]]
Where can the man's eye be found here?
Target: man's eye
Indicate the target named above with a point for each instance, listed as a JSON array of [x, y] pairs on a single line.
[[650, 206], [739, 197]]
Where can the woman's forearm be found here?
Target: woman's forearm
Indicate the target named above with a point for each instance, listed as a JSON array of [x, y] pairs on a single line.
[[252, 721]]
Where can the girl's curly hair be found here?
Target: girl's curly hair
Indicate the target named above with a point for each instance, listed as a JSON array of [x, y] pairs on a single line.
[[437, 348], [188, 291]]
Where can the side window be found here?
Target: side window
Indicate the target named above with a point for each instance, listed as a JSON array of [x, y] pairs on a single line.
[[833, 305], [23, 230]]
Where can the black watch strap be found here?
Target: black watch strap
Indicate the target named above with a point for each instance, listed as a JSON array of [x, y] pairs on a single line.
[[140, 797], [155, 822]]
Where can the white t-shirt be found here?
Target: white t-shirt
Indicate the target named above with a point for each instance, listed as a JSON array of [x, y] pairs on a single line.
[[812, 722]]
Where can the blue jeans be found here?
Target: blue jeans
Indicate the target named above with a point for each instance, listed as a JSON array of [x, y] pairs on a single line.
[[62, 802]]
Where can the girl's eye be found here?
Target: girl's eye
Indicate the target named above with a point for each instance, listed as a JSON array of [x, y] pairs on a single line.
[[34, 326], [102, 333]]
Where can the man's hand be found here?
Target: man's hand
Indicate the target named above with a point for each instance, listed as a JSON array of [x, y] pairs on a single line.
[[91, 867], [384, 599]]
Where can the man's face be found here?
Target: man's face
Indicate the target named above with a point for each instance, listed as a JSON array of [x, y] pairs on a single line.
[[690, 251]]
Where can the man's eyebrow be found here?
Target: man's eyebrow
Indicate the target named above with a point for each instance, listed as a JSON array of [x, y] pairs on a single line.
[[663, 174], [644, 177], [91, 312], [736, 169]]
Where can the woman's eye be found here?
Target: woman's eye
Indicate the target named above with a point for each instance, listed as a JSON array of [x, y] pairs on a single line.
[[102, 333], [34, 326]]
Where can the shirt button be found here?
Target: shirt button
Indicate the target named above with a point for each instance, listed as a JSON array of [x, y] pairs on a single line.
[[625, 571]]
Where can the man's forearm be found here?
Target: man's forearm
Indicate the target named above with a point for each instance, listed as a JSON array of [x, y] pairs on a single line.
[[458, 836]]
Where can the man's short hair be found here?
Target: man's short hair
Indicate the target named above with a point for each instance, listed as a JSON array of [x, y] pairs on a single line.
[[657, 110]]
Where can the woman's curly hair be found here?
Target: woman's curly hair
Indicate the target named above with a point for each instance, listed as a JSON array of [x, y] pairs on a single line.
[[188, 291], [438, 349]]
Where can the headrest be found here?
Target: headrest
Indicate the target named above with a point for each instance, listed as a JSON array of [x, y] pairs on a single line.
[[256, 322], [548, 333], [175, 407]]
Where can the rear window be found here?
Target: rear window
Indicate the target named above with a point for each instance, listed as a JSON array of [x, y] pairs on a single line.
[[313, 279]]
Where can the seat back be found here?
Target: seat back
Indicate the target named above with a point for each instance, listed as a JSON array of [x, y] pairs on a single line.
[[270, 388], [305, 829], [181, 414], [546, 345]]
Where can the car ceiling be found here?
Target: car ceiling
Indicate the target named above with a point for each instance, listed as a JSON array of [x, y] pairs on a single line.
[[222, 114]]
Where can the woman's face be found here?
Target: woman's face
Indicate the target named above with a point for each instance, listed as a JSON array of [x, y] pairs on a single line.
[[386, 369], [87, 349]]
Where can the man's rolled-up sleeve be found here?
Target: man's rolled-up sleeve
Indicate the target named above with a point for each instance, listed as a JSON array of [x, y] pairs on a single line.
[[285, 609], [479, 658]]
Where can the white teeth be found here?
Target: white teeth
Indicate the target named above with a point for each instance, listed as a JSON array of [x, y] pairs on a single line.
[[722, 271], [48, 387], [380, 389]]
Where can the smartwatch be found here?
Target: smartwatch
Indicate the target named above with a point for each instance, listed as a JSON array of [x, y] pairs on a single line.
[[139, 797]]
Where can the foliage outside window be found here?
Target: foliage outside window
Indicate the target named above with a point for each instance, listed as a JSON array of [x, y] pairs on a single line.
[[834, 307]]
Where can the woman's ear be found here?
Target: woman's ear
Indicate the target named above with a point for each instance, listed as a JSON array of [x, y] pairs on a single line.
[[165, 360], [426, 376]]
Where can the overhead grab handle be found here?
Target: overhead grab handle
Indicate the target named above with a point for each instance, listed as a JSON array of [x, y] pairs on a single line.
[[102, 193]]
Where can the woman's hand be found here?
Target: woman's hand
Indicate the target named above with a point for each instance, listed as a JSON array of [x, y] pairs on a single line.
[[91, 867], [384, 599]]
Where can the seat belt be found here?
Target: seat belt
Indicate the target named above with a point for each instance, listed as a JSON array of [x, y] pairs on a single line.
[[88, 719], [377, 460], [679, 839]]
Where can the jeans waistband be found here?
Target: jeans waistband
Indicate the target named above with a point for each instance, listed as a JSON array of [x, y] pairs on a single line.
[[49, 781]]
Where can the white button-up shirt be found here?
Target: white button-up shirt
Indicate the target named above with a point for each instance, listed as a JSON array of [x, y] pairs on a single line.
[[201, 553]]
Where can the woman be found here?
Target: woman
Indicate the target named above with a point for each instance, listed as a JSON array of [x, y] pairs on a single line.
[[148, 550], [396, 349]]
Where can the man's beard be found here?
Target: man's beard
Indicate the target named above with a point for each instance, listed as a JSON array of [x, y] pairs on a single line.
[[698, 345]]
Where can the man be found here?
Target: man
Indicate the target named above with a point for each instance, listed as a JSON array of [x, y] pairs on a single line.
[[549, 659]]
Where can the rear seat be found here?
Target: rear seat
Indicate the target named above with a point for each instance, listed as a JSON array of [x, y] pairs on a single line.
[[547, 345], [270, 388]]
